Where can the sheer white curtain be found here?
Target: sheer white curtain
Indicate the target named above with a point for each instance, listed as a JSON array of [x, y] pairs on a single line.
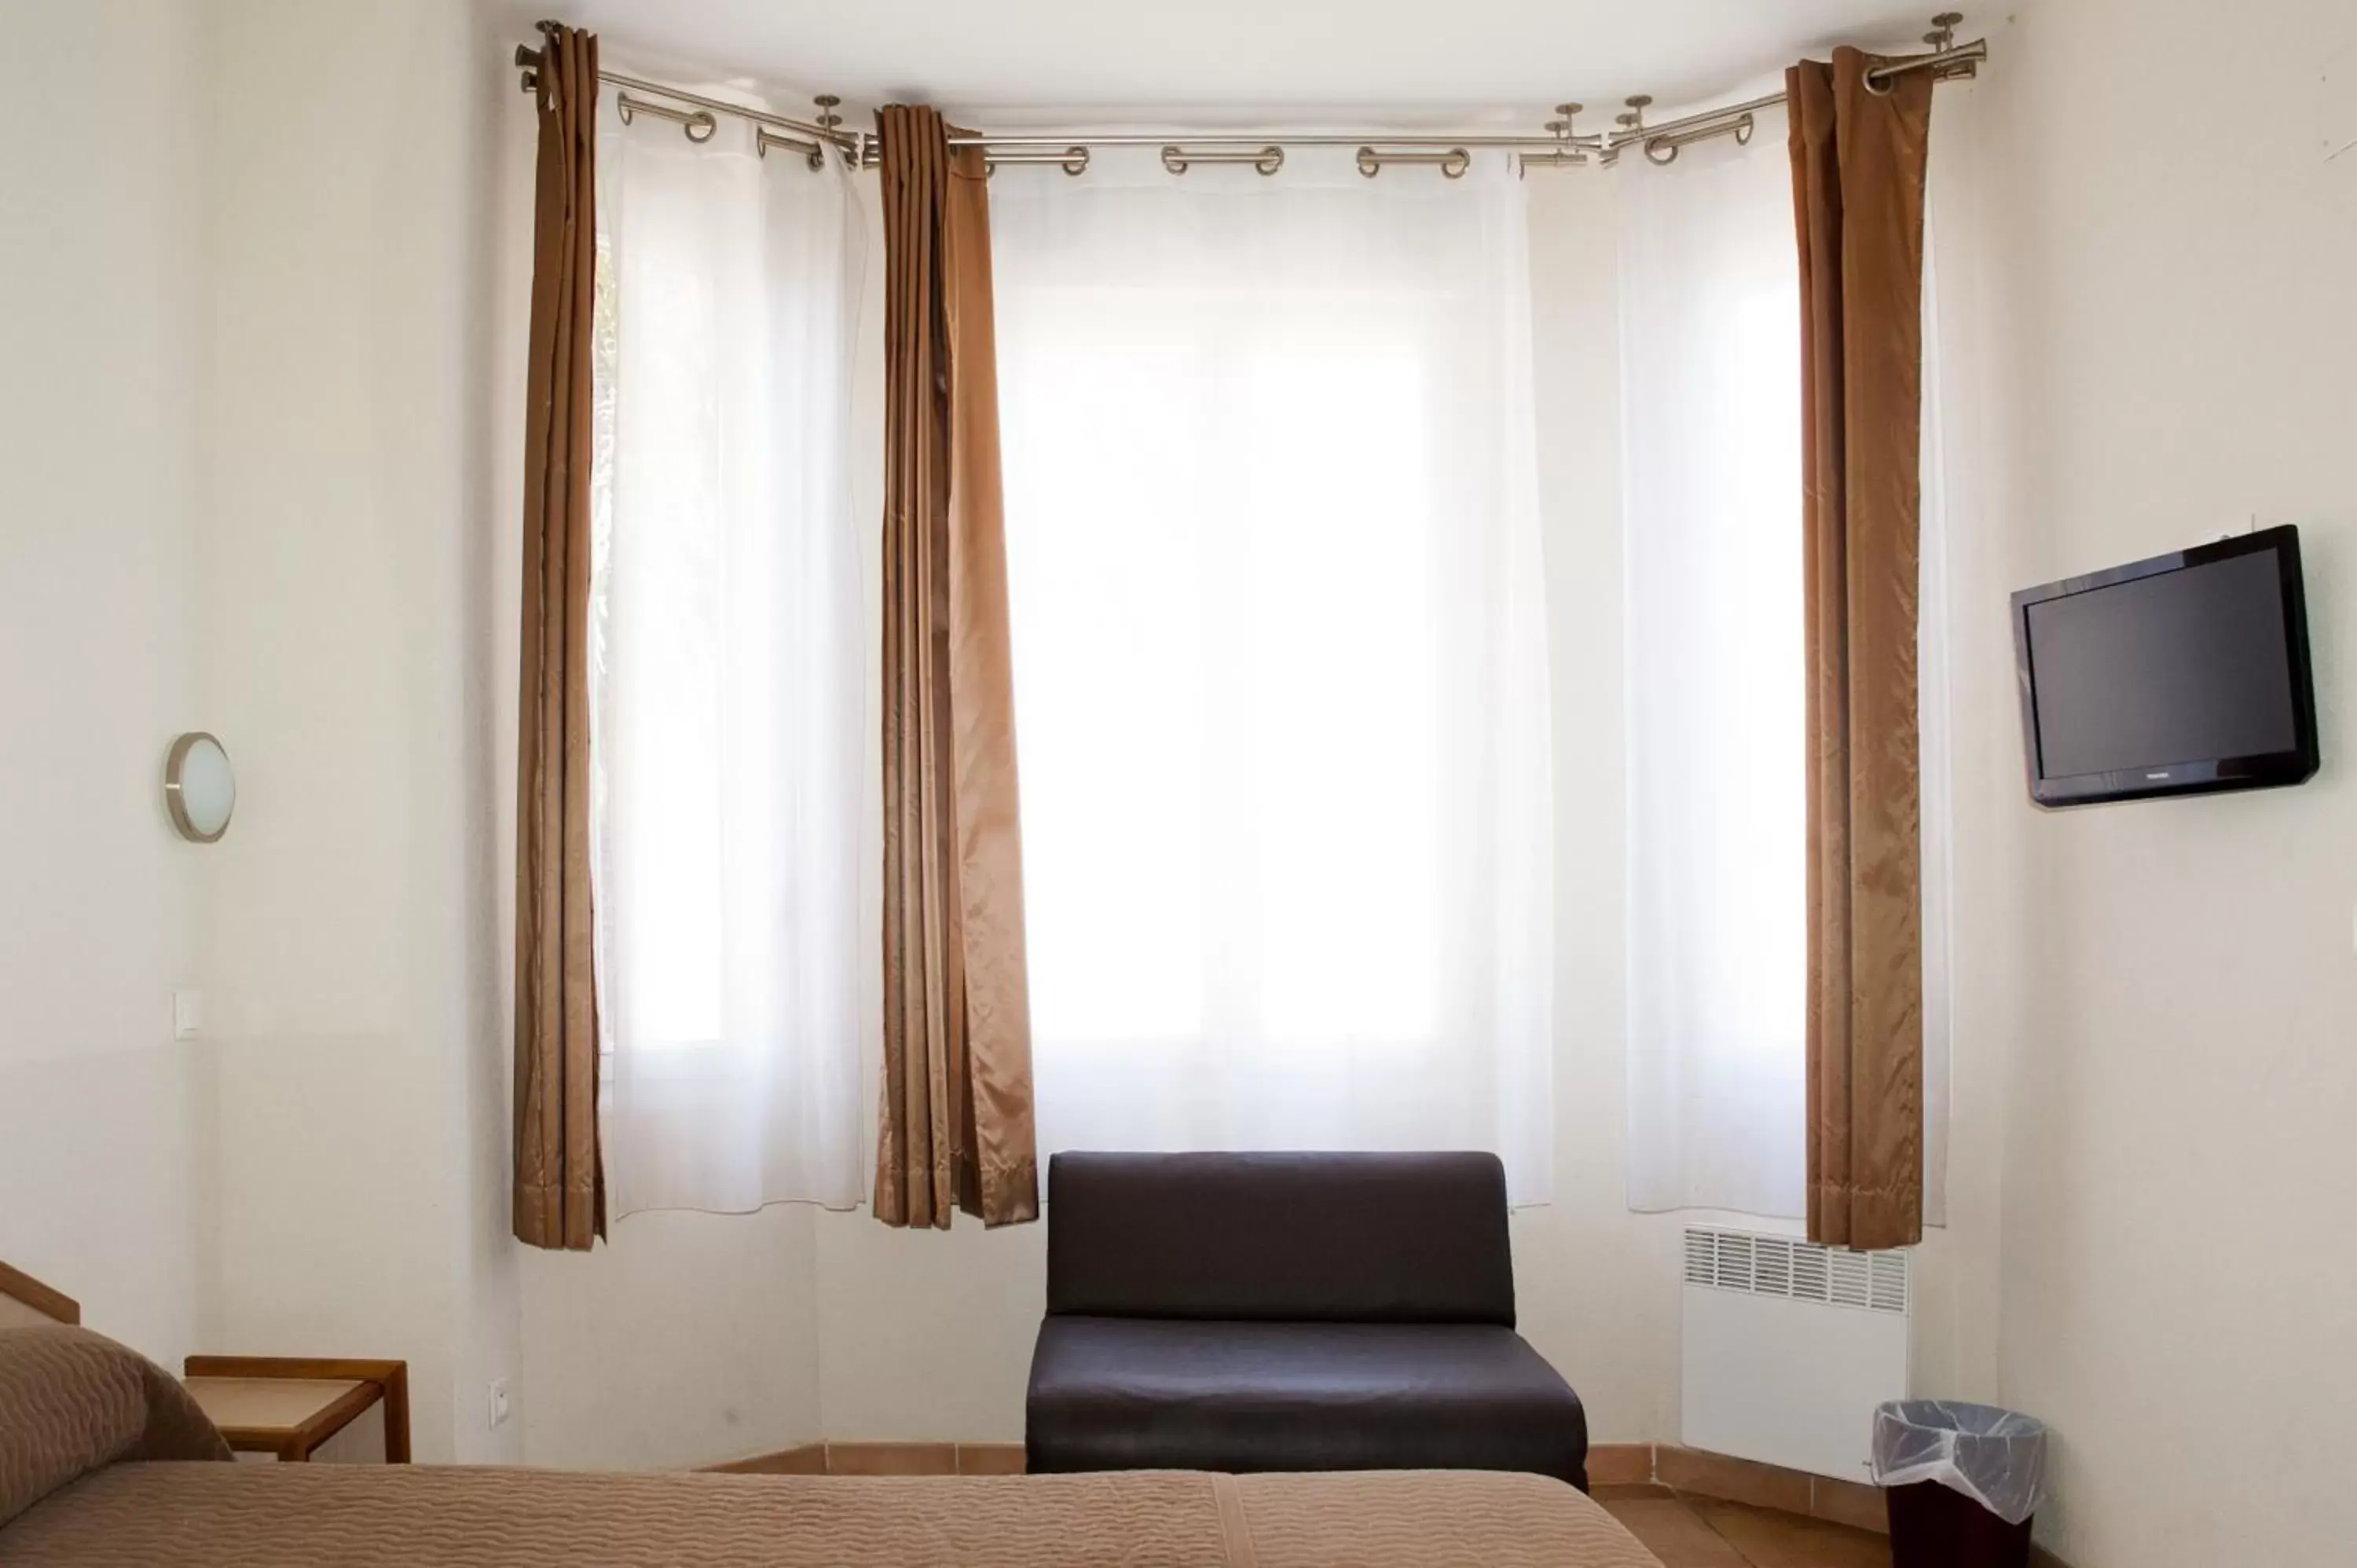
[[1955, 389], [1279, 656], [1711, 495], [730, 650]]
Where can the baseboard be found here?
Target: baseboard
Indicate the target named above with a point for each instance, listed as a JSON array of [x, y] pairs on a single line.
[[809, 1459], [1705, 1475], [1621, 1465], [883, 1459], [991, 1459]]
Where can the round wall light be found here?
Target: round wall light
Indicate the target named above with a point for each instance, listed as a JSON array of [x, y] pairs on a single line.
[[200, 791]]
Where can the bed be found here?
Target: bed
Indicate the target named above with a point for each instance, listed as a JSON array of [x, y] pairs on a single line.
[[105, 1459]]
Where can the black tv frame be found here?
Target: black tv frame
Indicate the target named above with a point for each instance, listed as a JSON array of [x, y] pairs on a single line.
[[2268, 770]]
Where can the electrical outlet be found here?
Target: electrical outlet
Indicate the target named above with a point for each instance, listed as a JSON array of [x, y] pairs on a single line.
[[499, 1401]]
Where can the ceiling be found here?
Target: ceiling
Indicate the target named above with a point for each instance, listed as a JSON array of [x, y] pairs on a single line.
[[1264, 61]]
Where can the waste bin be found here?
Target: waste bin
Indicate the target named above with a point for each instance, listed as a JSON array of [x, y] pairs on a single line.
[[1961, 1482]]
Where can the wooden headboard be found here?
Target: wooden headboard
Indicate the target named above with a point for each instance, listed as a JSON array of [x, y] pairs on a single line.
[[26, 1300]]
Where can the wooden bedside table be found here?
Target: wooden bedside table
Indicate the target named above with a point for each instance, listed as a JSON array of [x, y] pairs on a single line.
[[288, 1406]]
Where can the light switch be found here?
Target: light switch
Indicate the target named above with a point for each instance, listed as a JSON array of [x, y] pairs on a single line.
[[187, 1013]]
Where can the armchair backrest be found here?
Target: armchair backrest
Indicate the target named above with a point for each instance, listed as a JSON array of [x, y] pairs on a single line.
[[1299, 1237]]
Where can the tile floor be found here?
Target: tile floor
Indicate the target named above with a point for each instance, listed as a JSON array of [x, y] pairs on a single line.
[[1702, 1533]]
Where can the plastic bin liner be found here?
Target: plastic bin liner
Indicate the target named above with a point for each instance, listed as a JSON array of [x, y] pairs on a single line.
[[1993, 1456]]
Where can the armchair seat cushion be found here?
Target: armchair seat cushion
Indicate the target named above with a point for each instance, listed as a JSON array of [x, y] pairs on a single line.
[[1121, 1393]]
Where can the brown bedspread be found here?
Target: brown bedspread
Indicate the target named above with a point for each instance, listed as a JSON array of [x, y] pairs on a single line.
[[101, 1457], [212, 1516]]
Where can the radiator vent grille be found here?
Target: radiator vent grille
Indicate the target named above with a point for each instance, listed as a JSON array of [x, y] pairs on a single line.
[[1801, 1270]]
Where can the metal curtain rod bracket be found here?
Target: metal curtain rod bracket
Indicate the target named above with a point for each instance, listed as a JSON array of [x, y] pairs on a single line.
[[1946, 63], [1569, 149], [1452, 163], [1267, 159]]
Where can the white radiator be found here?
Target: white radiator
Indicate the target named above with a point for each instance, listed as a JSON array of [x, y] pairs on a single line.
[[1789, 1346]]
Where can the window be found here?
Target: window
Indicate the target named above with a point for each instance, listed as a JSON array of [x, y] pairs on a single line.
[[1717, 816], [729, 639], [1718, 901], [1280, 659]]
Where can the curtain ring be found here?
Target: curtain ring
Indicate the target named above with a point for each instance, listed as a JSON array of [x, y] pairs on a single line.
[[1455, 165], [812, 153], [1879, 80], [1369, 164], [1660, 150], [1072, 160], [698, 124], [1178, 160]]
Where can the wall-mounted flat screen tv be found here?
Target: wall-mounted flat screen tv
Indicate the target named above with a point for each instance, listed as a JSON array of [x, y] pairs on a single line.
[[2184, 674]]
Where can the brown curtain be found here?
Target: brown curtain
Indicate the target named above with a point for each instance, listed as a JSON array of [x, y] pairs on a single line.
[[1857, 189], [954, 1127], [560, 1187]]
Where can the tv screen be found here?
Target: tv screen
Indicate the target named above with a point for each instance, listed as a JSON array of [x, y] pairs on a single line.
[[2181, 674]]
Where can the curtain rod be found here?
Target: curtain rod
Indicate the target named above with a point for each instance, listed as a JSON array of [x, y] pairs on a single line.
[[1559, 148]]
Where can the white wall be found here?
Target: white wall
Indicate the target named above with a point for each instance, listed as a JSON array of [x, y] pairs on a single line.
[[355, 1055], [98, 642], [2175, 329], [686, 1340]]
